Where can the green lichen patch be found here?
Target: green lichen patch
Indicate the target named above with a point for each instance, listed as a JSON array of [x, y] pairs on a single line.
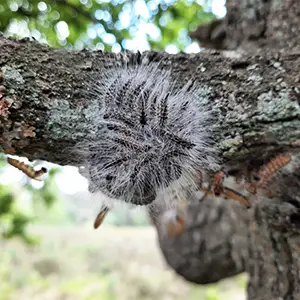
[[66, 122], [272, 106], [12, 75]]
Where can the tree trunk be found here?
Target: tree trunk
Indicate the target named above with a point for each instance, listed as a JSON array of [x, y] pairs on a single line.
[[253, 25], [257, 27], [47, 108]]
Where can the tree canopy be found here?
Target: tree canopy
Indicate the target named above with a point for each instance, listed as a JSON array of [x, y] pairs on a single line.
[[107, 25]]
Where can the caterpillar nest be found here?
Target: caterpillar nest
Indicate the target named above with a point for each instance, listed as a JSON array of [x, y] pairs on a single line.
[[147, 135]]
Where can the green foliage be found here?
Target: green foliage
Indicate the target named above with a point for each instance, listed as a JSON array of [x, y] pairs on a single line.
[[176, 21], [6, 201], [44, 205], [108, 24], [14, 215], [48, 192], [12, 220]]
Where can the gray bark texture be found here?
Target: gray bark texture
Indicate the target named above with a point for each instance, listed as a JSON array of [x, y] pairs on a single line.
[[45, 109], [214, 244], [252, 25], [255, 98]]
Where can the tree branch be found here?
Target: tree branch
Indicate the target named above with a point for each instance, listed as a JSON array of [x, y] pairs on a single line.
[[47, 108], [253, 97]]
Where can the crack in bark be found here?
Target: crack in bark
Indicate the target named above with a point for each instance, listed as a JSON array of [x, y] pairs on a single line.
[[276, 282], [290, 266], [281, 120]]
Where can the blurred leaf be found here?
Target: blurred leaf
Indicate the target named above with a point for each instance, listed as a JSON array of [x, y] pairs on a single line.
[[17, 225], [102, 24], [13, 219], [48, 193], [6, 201], [212, 294]]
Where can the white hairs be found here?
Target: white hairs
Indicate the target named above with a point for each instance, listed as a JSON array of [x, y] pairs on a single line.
[[147, 134]]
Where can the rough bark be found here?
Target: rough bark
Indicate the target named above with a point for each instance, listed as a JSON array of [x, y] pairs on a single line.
[[257, 26], [46, 109], [255, 99], [274, 262], [252, 25], [214, 244]]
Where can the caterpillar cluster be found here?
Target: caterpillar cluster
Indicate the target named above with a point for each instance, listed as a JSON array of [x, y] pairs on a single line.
[[147, 134]]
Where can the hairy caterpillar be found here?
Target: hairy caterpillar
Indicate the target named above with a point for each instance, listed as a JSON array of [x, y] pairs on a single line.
[[27, 169], [147, 134], [268, 170], [100, 217]]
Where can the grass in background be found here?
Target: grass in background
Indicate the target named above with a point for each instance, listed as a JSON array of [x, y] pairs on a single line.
[[77, 263]]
